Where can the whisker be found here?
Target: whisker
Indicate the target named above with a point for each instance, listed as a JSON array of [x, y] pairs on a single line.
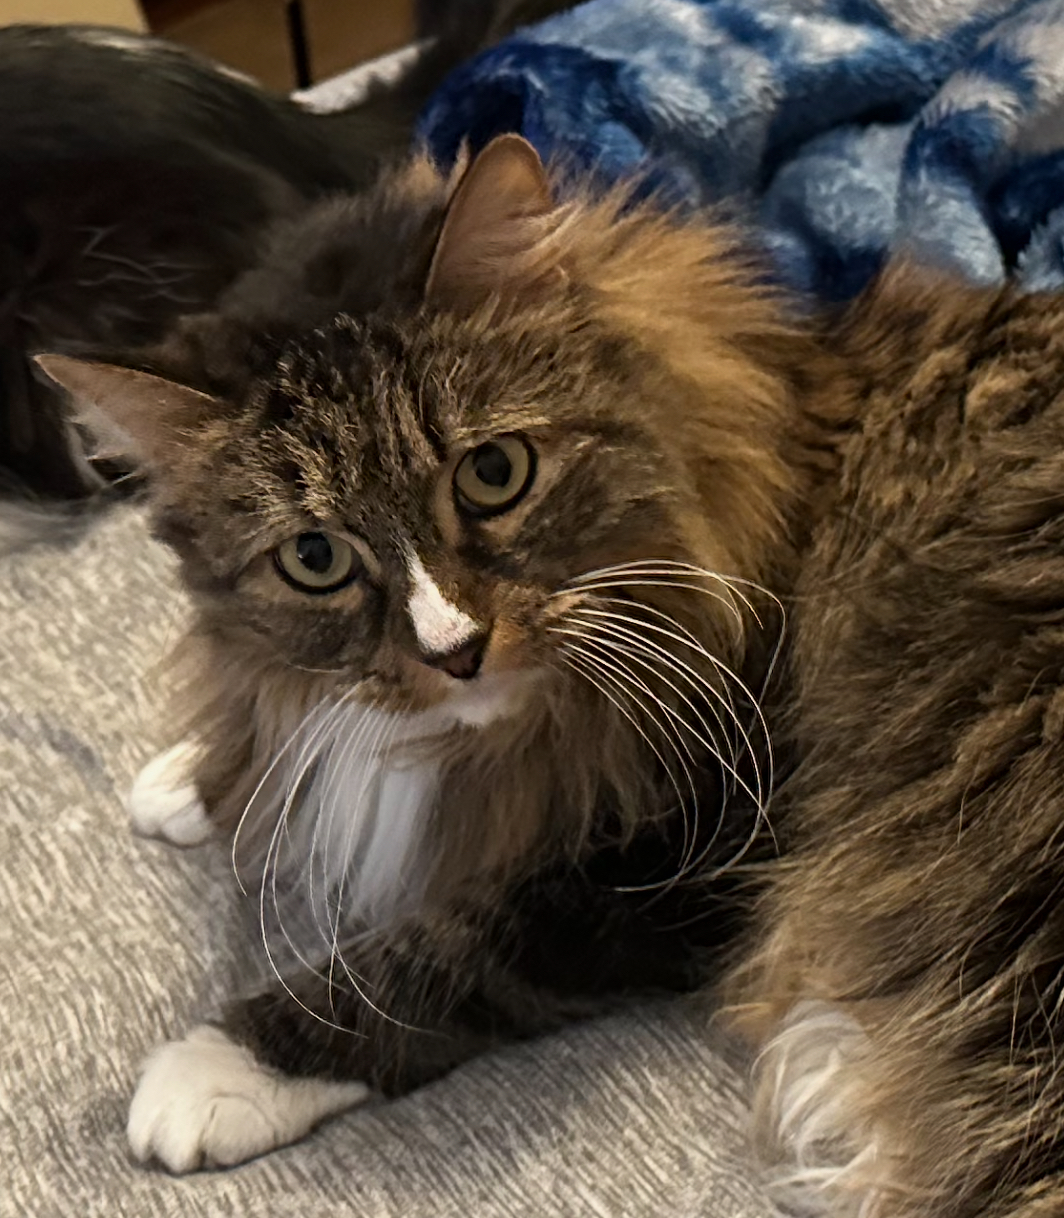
[[675, 568], [278, 757], [324, 817], [602, 585], [382, 735], [670, 568], [690, 861], [625, 636], [698, 681], [382, 741], [720, 665], [274, 841], [308, 757], [687, 858], [610, 618], [596, 664], [691, 638]]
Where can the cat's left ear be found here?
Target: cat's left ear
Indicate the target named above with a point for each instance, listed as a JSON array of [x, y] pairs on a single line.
[[132, 414], [495, 236]]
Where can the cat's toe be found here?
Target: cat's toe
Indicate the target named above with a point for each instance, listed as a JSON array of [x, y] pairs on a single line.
[[206, 1102], [163, 802]]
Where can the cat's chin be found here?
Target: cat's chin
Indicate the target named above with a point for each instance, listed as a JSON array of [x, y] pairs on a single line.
[[438, 704], [489, 698]]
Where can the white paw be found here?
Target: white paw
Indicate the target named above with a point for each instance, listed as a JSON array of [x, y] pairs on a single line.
[[163, 802], [825, 1158], [206, 1102]]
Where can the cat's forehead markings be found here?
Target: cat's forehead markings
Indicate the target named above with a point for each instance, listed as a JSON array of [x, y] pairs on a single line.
[[439, 625]]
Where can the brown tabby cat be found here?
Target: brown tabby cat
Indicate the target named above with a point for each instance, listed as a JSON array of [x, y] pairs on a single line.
[[473, 492], [473, 537]]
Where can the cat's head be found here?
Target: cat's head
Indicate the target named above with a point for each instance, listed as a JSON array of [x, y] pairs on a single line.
[[564, 462]]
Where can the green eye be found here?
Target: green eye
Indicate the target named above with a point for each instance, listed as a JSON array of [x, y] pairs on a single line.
[[317, 562], [492, 477]]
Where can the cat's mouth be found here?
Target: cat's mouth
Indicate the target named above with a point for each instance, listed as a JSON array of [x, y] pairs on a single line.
[[485, 699], [489, 697]]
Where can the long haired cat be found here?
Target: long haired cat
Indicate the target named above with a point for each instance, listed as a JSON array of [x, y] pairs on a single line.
[[474, 492], [139, 180], [473, 542]]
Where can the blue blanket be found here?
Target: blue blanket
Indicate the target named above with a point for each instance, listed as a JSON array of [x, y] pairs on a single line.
[[844, 129]]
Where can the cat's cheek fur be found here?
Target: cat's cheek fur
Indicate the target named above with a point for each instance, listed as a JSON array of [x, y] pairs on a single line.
[[163, 802], [205, 1101]]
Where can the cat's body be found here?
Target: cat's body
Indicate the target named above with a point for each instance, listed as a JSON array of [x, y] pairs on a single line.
[[475, 505], [139, 182], [907, 985]]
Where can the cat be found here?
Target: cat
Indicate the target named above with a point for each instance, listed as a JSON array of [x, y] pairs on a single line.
[[475, 486], [139, 183], [554, 417]]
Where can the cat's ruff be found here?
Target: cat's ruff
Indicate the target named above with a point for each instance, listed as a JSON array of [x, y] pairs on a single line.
[[205, 1101], [361, 819]]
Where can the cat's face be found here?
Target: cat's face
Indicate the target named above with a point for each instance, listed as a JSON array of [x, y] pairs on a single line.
[[406, 507], [413, 504]]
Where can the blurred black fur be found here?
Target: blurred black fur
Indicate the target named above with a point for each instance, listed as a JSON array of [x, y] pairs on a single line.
[[139, 180]]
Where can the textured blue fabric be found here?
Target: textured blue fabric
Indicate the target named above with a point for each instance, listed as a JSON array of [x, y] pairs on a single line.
[[844, 129]]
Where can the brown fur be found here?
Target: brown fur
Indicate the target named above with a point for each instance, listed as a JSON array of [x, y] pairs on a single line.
[[922, 893]]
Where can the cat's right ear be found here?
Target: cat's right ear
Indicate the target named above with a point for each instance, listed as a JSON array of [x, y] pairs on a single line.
[[132, 414], [494, 237]]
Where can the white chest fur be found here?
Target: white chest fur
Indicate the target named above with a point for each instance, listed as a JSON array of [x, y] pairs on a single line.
[[360, 792]]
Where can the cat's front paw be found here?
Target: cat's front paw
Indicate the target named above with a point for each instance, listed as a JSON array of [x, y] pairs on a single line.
[[164, 803], [206, 1102]]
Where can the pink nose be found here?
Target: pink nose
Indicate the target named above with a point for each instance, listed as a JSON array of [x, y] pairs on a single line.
[[463, 663]]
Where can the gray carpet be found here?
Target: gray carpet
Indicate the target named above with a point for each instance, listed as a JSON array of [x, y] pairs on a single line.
[[109, 944]]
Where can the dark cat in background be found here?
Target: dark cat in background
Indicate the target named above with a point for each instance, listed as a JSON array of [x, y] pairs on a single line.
[[138, 181]]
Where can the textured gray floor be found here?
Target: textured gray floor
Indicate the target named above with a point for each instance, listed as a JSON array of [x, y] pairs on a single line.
[[106, 948]]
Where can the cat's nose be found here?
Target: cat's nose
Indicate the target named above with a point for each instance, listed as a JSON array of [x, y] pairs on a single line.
[[462, 662]]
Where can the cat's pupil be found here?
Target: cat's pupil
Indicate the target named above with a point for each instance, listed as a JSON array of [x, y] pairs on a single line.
[[492, 466], [315, 552]]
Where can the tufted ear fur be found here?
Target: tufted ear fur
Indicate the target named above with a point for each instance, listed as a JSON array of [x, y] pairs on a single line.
[[495, 237], [132, 414]]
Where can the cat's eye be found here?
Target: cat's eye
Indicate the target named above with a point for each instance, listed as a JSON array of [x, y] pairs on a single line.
[[492, 477], [317, 562]]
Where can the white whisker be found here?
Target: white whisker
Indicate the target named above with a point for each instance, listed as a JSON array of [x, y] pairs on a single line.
[[274, 841], [323, 825], [278, 757], [699, 682], [309, 754], [382, 741], [598, 665], [688, 859], [610, 618], [653, 645]]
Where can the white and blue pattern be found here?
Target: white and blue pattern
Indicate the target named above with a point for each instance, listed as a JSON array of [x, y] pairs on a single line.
[[845, 129]]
